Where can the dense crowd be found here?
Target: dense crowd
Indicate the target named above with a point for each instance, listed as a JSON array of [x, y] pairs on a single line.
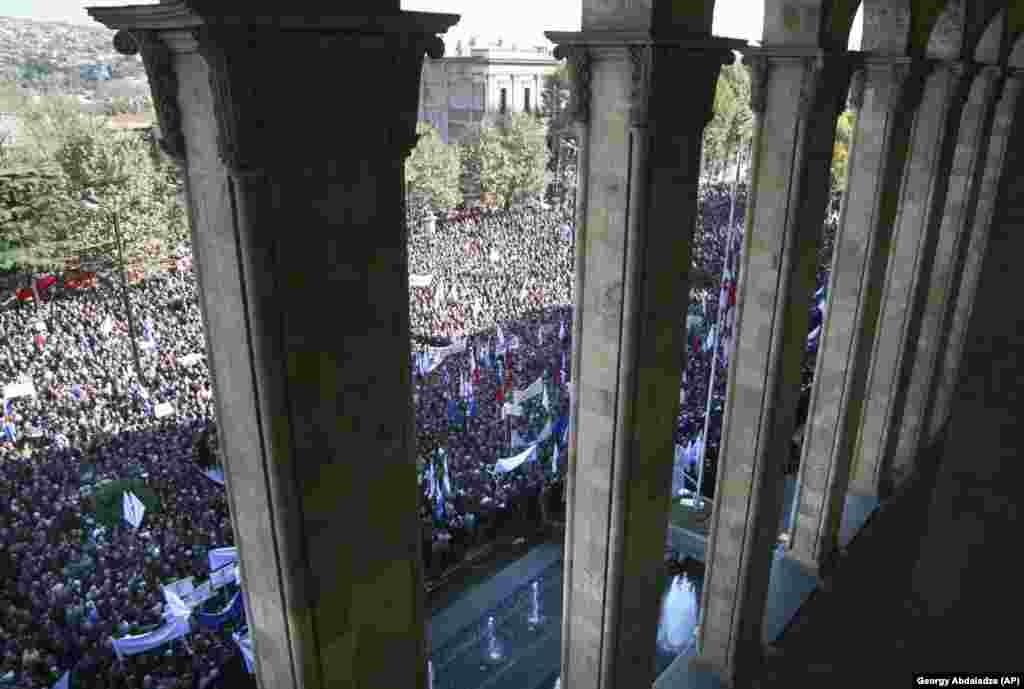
[[67, 585]]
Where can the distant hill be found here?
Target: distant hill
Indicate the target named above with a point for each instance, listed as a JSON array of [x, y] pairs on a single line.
[[76, 59]]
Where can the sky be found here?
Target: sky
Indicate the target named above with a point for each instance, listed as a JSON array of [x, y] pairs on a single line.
[[521, 22]]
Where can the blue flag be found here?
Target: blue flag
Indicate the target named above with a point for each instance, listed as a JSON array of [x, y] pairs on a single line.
[[472, 407], [451, 411]]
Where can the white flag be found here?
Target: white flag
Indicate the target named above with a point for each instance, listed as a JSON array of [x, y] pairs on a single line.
[[535, 388], [554, 459], [133, 509], [510, 463], [244, 642], [176, 606]]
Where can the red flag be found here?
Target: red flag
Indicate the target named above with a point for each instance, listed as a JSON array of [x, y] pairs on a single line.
[[500, 395]]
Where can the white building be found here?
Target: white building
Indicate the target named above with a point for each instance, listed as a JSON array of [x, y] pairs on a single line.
[[457, 92]]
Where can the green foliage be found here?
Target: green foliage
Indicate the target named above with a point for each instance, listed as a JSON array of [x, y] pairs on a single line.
[[33, 205], [841, 152], [731, 126], [555, 100], [511, 155], [136, 191], [109, 501], [432, 170]]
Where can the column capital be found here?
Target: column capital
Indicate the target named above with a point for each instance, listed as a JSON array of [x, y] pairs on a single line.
[[820, 73], [239, 59], [857, 82], [242, 49], [163, 82], [643, 50]]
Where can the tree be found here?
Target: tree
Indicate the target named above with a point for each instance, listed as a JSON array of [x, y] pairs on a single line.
[[841, 152], [731, 126], [85, 154], [432, 170], [511, 154]]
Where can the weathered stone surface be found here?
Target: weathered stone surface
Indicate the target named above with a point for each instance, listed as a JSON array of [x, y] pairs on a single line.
[[911, 260], [802, 96], [955, 327], [892, 92]]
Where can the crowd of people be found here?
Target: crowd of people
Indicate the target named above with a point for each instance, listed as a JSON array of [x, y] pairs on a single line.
[[67, 585]]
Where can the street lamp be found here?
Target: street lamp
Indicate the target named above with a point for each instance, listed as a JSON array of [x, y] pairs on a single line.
[[91, 203]]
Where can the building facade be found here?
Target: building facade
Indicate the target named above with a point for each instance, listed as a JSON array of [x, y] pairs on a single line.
[[919, 371], [457, 92]]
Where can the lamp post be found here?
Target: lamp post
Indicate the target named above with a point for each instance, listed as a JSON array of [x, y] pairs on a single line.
[[90, 202]]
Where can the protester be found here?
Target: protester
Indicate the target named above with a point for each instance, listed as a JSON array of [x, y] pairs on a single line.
[[483, 279]]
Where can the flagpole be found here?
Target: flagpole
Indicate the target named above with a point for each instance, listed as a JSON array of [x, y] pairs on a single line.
[[714, 368]]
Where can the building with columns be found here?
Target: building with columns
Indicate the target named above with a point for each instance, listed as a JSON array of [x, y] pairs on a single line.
[[457, 92], [916, 400]]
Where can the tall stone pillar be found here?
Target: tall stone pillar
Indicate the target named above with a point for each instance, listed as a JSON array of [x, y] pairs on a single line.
[[640, 168], [911, 260], [935, 299], [886, 94], [797, 97], [961, 300], [300, 243]]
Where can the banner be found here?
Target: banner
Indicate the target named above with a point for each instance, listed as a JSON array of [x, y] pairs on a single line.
[[434, 356], [222, 556], [222, 577], [244, 642], [535, 388], [509, 409], [420, 280], [163, 409], [510, 463], [216, 620], [181, 588], [19, 390], [190, 359], [173, 628]]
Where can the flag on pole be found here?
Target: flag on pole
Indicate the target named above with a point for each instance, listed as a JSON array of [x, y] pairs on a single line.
[[565, 369], [133, 509], [561, 331], [554, 459], [62, 683], [540, 334], [447, 479]]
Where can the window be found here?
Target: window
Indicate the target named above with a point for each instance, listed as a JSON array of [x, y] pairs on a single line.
[[526, 104], [503, 106]]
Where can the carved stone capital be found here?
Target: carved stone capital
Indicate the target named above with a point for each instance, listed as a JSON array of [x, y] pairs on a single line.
[[640, 58], [247, 106], [760, 68], [579, 61], [857, 84], [163, 82]]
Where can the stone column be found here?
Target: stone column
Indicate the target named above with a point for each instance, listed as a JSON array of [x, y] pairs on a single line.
[[911, 260], [886, 94], [961, 301], [300, 243], [936, 297], [797, 98], [633, 250]]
